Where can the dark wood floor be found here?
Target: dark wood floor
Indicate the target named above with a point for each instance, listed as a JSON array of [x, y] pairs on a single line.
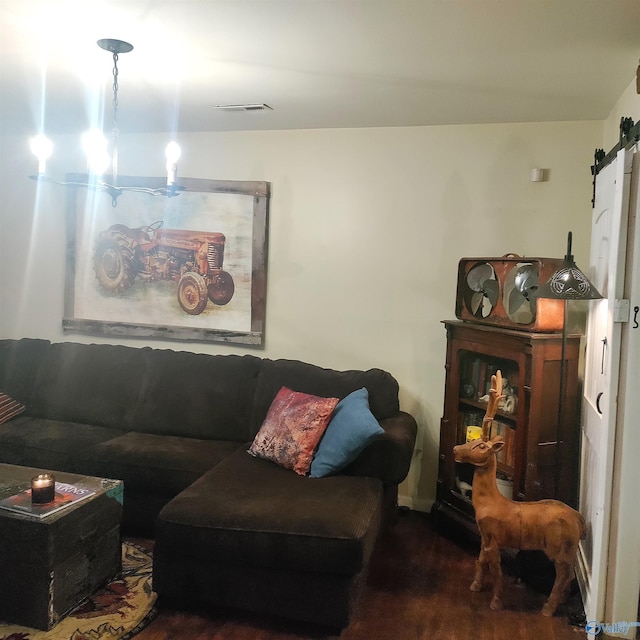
[[417, 589]]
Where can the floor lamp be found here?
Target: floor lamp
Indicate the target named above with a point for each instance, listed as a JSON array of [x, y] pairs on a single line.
[[567, 283]]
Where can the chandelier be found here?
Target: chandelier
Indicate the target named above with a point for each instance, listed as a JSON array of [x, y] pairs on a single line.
[[100, 155]]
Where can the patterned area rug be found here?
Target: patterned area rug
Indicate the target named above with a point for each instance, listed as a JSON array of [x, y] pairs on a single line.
[[117, 612]]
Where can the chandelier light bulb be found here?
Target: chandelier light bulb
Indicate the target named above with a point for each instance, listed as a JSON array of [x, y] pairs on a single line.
[[172, 153], [95, 147], [42, 148]]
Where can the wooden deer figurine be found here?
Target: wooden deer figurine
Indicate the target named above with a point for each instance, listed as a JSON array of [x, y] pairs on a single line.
[[547, 525]]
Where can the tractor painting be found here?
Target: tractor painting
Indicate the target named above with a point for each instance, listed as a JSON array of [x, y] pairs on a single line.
[[192, 259]]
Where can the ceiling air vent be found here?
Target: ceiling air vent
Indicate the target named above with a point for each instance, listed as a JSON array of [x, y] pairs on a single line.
[[244, 107]]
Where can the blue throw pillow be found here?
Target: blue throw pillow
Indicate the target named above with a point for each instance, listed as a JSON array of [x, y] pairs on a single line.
[[351, 429]]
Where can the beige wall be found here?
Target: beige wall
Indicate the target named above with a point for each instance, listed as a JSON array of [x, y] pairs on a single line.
[[366, 230], [628, 106]]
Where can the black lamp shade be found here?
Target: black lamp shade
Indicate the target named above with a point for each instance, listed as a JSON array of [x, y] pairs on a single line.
[[568, 282]]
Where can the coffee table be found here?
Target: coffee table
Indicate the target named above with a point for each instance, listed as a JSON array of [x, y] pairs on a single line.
[[50, 565]]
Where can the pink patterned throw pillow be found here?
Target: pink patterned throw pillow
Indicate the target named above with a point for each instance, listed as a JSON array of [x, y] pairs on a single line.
[[292, 429], [9, 408]]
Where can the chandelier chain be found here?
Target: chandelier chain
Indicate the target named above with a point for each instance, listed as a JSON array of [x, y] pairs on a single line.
[[115, 133], [115, 92]]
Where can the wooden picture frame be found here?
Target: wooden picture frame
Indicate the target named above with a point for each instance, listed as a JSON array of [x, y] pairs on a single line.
[[190, 267]]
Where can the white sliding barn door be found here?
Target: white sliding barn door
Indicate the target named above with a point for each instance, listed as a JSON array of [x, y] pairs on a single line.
[[623, 576], [599, 407]]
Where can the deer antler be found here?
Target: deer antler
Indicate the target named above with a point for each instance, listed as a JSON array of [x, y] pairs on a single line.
[[495, 395]]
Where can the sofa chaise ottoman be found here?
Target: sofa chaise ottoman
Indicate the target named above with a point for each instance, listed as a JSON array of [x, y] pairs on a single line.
[[251, 535]]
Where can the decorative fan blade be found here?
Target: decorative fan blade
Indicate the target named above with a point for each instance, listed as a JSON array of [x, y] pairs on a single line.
[[492, 291], [481, 279], [476, 303], [521, 303], [526, 280], [516, 300], [479, 275]]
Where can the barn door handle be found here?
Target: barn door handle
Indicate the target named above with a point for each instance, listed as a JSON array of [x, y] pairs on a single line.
[[598, 402], [635, 316], [604, 353]]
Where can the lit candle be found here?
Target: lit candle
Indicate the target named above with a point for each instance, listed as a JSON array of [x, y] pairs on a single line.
[[41, 147], [95, 146], [172, 153], [43, 488]]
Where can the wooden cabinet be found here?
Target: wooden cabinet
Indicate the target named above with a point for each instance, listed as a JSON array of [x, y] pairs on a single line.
[[540, 459]]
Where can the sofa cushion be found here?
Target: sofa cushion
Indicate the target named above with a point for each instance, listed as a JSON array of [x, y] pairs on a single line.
[[94, 384], [292, 429], [309, 378], [19, 364], [197, 395], [250, 512], [351, 429], [388, 457], [9, 408], [49, 444], [160, 464]]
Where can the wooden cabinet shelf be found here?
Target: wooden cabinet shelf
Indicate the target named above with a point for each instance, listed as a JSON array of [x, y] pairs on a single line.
[[481, 407], [540, 458]]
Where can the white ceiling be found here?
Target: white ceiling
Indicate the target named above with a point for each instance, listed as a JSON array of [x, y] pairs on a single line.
[[318, 63]]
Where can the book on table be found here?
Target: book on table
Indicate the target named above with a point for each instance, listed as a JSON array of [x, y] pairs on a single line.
[[65, 496]]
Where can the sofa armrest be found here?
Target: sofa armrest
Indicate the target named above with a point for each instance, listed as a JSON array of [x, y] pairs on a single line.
[[388, 457]]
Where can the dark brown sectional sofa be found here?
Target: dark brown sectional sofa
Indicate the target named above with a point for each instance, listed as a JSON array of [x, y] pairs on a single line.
[[230, 529]]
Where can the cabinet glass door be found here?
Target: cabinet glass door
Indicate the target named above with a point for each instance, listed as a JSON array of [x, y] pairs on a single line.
[[474, 385]]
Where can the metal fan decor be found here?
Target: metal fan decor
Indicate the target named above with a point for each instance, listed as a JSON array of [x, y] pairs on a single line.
[[501, 291]]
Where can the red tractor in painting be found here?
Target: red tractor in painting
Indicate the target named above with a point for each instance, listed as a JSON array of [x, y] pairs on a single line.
[[193, 259]]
